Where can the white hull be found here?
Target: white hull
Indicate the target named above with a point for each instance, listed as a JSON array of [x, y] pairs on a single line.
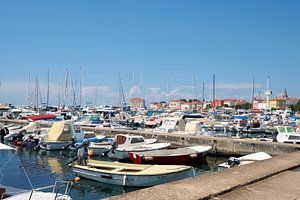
[[123, 153], [132, 180], [54, 145]]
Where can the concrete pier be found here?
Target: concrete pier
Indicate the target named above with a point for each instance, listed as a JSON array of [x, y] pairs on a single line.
[[229, 184]]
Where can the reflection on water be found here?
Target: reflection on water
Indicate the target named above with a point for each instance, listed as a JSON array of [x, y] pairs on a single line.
[[45, 167]]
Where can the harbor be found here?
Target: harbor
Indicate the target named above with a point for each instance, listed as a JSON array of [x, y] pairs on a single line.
[[158, 100]]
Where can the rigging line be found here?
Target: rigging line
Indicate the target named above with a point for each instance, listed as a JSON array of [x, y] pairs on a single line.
[[1, 174], [27, 178], [8, 161]]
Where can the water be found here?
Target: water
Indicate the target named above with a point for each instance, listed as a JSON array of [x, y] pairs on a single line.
[[45, 167]]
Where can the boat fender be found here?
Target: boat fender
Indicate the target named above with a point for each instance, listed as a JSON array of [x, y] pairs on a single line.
[[193, 155], [148, 158], [124, 180]]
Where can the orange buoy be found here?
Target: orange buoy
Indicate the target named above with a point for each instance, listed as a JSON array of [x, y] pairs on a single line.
[[77, 179], [91, 153]]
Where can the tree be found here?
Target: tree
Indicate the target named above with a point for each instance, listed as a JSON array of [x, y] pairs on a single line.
[[296, 107], [245, 106]]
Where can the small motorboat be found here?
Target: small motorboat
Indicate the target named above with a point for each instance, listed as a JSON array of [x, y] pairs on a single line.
[[244, 160], [181, 156], [106, 145], [129, 143], [136, 175], [61, 135]]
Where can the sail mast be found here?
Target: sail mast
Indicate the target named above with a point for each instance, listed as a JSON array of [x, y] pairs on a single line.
[[48, 87]]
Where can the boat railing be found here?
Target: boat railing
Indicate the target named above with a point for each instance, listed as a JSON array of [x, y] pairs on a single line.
[[56, 187]]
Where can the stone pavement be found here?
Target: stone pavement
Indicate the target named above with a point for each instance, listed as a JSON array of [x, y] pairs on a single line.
[[219, 184]]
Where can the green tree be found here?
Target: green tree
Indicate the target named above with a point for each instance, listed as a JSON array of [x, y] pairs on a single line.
[[296, 107]]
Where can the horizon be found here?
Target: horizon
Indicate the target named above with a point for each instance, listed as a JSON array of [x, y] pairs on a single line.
[[172, 46]]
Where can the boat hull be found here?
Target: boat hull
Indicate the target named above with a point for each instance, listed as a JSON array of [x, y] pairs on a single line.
[[132, 180], [54, 145], [168, 160]]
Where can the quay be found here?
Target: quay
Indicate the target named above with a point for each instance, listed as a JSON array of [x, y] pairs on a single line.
[[276, 178]]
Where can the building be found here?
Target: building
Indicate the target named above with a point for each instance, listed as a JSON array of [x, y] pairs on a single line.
[[217, 103], [230, 102], [158, 105], [259, 104], [175, 104], [283, 102], [137, 103]]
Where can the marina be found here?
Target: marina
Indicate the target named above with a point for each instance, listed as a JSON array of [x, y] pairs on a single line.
[[149, 100]]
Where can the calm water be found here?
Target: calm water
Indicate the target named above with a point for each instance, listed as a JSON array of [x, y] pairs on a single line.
[[44, 168]]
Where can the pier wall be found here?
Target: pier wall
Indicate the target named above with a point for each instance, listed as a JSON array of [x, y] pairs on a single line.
[[220, 145]]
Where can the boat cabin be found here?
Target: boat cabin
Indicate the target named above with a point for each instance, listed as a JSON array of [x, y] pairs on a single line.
[[287, 134]]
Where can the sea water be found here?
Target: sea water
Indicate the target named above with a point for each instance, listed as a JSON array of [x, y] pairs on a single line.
[[43, 168]]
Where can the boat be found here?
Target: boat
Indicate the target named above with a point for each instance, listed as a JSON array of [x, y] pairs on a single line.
[[38, 194], [244, 160], [177, 156], [136, 175], [61, 135], [40, 117], [9, 193], [287, 134], [99, 148], [129, 143]]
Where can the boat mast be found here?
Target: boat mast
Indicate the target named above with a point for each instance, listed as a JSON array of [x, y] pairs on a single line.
[[36, 94], [214, 92], [203, 99], [29, 90], [66, 88], [121, 94], [48, 88], [252, 95], [268, 93], [96, 95], [194, 87], [80, 89]]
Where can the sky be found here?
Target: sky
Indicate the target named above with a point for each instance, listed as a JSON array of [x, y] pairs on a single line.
[[160, 50]]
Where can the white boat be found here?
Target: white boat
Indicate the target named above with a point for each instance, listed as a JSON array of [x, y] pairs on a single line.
[[60, 135], [244, 160], [129, 143], [137, 175], [287, 134], [106, 144], [35, 194]]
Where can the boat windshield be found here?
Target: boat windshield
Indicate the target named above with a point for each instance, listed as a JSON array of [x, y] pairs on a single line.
[[290, 130], [137, 140], [281, 129]]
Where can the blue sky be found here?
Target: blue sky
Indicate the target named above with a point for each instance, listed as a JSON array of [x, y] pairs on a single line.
[[165, 41]]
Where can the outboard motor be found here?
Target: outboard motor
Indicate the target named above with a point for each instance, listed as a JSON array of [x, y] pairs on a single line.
[[71, 143], [114, 146], [82, 154]]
